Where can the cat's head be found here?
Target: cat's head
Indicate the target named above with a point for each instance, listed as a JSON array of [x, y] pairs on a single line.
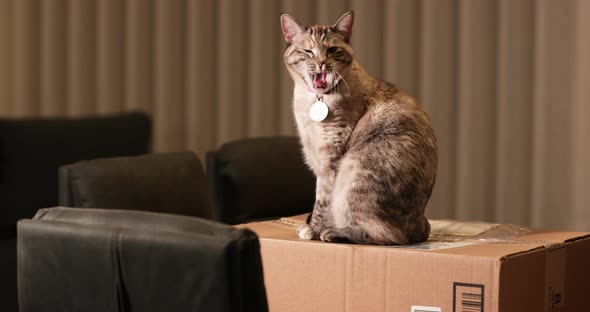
[[318, 56]]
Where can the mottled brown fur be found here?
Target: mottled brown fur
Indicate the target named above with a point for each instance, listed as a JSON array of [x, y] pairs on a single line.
[[374, 156]]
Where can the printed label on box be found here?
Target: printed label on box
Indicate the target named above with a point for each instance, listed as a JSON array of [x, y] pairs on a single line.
[[555, 280], [468, 297], [425, 309]]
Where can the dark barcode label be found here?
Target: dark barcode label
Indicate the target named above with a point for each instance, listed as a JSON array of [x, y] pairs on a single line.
[[468, 297]]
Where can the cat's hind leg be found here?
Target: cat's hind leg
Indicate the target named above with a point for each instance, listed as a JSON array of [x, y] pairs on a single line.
[[356, 210], [345, 235], [360, 235]]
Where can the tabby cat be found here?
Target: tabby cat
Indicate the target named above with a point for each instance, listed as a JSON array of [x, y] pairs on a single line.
[[370, 145]]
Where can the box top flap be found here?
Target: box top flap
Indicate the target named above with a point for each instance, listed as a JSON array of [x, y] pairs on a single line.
[[476, 239]]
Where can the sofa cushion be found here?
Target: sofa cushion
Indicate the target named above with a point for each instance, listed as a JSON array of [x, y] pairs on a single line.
[[164, 182], [259, 178]]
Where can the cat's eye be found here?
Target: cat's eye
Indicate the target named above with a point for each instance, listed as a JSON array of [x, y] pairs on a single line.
[[332, 49], [310, 52]]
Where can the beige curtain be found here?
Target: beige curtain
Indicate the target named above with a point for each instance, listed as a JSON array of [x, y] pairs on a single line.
[[507, 83]]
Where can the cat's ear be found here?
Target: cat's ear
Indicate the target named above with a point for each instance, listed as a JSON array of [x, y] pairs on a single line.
[[290, 27], [344, 25]]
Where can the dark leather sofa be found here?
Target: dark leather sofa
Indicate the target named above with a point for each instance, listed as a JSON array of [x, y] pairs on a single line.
[[249, 180], [118, 260]]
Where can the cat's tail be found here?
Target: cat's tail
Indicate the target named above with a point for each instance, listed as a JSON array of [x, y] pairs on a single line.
[[418, 231]]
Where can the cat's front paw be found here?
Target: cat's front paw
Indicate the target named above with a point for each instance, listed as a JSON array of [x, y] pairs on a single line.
[[304, 231]]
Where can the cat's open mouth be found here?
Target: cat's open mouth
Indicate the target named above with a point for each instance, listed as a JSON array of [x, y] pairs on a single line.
[[320, 82]]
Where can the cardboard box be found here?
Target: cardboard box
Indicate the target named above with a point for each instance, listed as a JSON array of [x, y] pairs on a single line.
[[464, 267]]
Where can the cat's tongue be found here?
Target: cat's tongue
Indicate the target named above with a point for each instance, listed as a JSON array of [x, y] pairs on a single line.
[[319, 80]]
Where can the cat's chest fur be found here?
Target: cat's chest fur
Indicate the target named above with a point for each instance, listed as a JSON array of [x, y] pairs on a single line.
[[325, 142]]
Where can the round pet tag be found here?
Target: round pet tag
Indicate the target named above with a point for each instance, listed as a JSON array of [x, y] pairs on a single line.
[[318, 111]]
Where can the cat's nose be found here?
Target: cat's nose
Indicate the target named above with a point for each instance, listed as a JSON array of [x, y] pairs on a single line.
[[322, 65]]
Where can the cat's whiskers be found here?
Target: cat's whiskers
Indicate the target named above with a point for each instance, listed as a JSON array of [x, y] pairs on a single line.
[[342, 78]]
